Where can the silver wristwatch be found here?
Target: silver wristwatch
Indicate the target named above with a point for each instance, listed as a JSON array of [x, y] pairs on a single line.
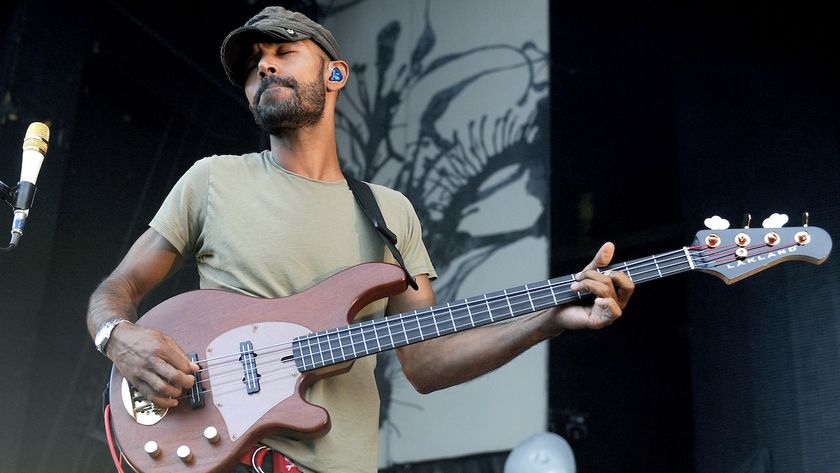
[[104, 333]]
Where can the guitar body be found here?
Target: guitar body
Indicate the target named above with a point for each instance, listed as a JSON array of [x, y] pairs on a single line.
[[213, 324]]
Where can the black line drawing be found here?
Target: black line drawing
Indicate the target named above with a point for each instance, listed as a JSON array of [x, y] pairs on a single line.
[[443, 173]]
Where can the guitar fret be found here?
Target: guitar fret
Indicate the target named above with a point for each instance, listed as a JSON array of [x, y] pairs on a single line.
[[352, 345], [390, 335], [434, 321], [529, 298], [329, 343], [341, 346], [416, 331], [627, 272], [376, 334], [452, 317], [311, 355], [359, 341], [405, 333]]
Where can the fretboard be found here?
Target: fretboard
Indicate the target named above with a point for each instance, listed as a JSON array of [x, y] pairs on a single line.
[[328, 347]]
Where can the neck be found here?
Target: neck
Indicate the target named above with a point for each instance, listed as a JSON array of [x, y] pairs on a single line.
[[309, 152], [353, 341]]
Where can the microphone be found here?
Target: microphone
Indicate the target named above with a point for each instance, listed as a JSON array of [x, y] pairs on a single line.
[[34, 148]]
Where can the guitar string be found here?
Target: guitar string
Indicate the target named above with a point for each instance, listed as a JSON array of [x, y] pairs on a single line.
[[217, 384], [367, 324], [422, 317], [641, 263]]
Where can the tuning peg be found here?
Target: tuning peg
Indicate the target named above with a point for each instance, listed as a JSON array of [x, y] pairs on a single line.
[[805, 219], [746, 221], [716, 223], [775, 221]]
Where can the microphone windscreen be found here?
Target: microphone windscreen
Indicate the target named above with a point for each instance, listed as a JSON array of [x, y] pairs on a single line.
[[34, 148], [37, 137]]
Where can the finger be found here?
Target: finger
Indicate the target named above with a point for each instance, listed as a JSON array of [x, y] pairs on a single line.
[[161, 401], [602, 257], [624, 287], [173, 376], [605, 311], [163, 388], [603, 289], [151, 395], [595, 275], [178, 358]]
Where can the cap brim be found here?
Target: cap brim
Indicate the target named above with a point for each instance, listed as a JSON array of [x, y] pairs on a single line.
[[238, 47]]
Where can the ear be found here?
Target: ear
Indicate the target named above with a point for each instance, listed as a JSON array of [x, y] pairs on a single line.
[[336, 85]]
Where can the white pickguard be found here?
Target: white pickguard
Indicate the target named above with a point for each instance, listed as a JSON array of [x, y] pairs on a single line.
[[272, 342]]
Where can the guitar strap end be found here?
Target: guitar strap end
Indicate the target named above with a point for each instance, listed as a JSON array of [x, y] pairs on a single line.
[[412, 282]]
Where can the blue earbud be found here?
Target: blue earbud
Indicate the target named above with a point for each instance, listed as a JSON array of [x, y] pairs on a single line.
[[336, 75]]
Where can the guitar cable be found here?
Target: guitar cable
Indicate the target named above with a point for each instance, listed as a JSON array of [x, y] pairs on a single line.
[[109, 436], [111, 444]]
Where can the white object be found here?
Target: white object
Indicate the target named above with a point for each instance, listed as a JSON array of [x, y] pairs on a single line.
[[544, 452]]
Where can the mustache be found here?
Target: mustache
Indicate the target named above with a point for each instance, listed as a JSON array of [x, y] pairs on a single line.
[[271, 80]]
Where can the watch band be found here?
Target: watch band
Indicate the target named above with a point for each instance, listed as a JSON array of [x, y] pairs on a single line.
[[104, 333]]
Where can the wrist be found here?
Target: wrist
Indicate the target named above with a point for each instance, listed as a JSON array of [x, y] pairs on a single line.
[[550, 325], [105, 333]]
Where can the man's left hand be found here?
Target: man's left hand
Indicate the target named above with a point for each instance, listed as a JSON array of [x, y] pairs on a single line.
[[612, 291]]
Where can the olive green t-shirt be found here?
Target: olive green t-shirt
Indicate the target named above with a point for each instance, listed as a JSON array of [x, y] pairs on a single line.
[[258, 229]]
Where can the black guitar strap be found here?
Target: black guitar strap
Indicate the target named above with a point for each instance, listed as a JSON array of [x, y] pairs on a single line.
[[367, 202]]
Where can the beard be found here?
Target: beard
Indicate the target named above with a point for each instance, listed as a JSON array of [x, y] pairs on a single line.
[[304, 108]]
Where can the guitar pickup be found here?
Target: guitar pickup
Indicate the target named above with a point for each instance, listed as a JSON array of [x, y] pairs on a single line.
[[196, 394], [249, 367]]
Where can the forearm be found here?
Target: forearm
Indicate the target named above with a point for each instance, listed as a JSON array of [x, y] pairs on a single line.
[[115, 297], [149, 261], [450, 360]]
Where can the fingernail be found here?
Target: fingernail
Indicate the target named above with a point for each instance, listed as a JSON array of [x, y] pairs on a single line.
[[575, 286]]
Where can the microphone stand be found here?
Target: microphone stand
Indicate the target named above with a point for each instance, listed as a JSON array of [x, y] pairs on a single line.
[[9, 195]]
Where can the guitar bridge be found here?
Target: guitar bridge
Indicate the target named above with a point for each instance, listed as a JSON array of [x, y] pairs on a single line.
[[143, 411]]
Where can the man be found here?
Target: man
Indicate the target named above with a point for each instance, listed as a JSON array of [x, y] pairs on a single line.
[[274, 223]]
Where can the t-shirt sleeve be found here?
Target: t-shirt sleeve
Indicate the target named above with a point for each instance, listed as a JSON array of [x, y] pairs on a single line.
[[181, 216], [415, 255]]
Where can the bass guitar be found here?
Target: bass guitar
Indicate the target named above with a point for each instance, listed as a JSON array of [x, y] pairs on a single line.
[[258, 356]]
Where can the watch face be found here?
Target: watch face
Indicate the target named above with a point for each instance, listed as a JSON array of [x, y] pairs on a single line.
[[102, 335]]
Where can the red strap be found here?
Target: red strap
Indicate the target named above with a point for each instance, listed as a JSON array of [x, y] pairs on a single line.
[[280, 463]]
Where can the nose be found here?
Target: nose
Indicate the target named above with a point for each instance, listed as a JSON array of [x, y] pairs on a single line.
[[265, 67]]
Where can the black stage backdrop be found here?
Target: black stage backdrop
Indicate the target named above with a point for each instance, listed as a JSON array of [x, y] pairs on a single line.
[[664, 116], [661, 117]]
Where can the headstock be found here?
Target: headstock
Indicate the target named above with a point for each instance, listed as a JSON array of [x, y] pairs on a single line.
[[734, 254]]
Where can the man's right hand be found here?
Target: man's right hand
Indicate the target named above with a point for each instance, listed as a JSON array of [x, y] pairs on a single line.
[[152, 362]]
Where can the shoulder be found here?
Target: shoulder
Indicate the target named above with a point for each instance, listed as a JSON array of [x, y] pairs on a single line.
[[229, 161], [224, 165], [396, 207], [387, 196]]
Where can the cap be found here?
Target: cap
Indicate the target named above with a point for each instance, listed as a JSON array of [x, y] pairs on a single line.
[[272, 24]]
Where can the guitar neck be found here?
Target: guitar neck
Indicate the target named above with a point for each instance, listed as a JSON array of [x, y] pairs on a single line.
[[328, 347]]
